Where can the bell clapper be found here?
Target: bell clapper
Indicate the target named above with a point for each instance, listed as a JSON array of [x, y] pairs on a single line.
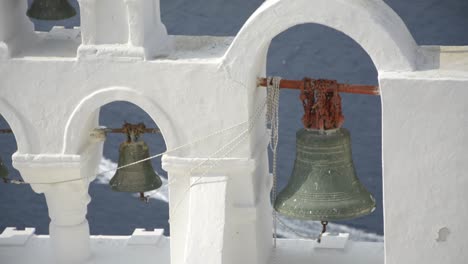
[[324, 229], [144, 198]]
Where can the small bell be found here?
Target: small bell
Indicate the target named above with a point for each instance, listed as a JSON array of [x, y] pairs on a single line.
[[3, 171], [137, 178], [323, 185], [51, 10]]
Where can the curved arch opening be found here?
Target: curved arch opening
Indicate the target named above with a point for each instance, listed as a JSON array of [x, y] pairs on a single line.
[[329, 54], [119, 213], [379, 30], [85, 117], [21, 207]]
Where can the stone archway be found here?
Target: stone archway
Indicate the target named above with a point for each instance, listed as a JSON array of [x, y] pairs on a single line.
[[372, 24], [24, 135], [75, 136]]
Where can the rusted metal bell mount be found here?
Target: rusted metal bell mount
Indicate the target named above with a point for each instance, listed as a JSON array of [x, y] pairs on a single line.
[[51, 10], [323, 185], [137, 178]]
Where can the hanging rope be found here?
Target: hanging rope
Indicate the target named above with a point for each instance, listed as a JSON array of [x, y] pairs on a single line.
[[235, 142], [273, 91], [250, 124], [197, 141]]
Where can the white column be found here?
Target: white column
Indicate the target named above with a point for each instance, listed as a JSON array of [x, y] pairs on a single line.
[[64, 180], [136, 18], [69, 229], [207, 214], [88, 21], [214, 210]]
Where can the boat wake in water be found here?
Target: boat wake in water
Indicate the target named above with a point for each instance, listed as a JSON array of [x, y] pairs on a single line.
[[287, 227]]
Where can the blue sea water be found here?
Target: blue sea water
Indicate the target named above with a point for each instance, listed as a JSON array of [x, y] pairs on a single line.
[[306, 50]]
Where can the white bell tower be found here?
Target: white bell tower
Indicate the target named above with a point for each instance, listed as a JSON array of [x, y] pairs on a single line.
[[122, 28]]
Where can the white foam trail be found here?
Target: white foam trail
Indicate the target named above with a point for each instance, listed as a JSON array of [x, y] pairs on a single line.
[[105, 175], [293, 228], [106, 171], [287, 227]]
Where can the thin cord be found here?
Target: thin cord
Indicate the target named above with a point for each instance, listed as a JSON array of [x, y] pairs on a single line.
[[273, 91], [178, 148], [236, 141], [139, 161]]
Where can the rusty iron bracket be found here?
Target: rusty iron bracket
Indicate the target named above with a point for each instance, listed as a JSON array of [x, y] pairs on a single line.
[[123, 130], [322, 104], [321, 100], [6, 131], [136, 127], [133, 131]]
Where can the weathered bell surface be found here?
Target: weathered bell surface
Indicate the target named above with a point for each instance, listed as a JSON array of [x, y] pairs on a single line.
[[3, 170], [324, 185], [51, 10], [136, 178]]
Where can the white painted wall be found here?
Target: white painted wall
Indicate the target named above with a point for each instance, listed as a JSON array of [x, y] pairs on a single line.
[[424, 152], [112, 22], [206, 84]]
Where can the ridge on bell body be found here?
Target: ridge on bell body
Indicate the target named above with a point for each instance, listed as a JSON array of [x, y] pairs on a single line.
[[323, 185]]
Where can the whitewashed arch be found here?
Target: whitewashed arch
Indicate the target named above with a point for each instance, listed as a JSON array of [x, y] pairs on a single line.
[[92, 103], [25, 135], [371, 23]]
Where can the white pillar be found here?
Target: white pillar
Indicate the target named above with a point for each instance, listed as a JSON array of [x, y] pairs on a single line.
[[88, 21], [64, 181], [207, 214], [215, 208], [69, 229], [136, 26]]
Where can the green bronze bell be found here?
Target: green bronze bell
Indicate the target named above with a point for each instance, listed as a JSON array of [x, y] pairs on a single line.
[[138, 178], [3, 171], [323, 185], [51, 10]]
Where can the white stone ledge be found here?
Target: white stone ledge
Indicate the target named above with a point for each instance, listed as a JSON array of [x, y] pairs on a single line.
[[13, 237], [115, 249], [56, 168], [142, 237], [297, 251], [333, 241], [61, 45], [54, 160], [46, 160], [114, 51], [440, 75]]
